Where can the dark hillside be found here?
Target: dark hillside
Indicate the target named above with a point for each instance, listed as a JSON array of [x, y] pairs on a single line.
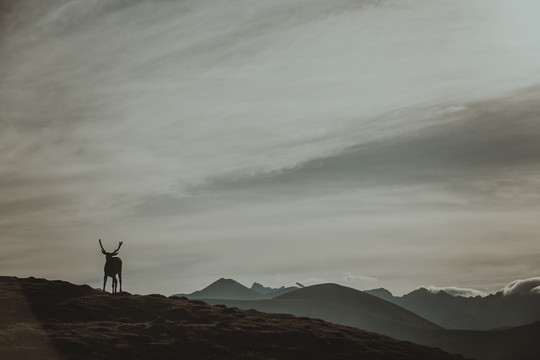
[[41, 319], [347, 297]]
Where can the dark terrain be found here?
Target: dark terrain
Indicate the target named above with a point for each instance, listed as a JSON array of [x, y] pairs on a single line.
[[351, 307], [41, 319]]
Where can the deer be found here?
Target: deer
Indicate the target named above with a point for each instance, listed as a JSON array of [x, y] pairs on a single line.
[[113, 266]]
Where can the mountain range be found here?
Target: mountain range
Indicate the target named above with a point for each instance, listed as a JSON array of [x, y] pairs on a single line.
[[341, 305], [229, 289], [371, 311], [57, 320], [468, 313]]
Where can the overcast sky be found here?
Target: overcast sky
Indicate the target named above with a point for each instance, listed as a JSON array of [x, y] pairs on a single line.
[[390, 143]]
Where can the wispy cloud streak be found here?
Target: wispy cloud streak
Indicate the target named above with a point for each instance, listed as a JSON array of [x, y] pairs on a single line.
[[181, 114]]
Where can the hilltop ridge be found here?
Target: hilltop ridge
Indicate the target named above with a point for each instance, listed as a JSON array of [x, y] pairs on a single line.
[[42, 319]]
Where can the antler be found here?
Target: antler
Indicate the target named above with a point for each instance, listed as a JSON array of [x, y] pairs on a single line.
[[102, 249], [118, 248]]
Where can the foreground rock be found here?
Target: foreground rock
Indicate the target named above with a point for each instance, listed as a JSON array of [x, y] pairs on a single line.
[[41, 319]]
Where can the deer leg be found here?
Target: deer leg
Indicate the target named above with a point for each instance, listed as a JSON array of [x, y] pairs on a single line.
[[104, 282], [120, 277], [114, 283]]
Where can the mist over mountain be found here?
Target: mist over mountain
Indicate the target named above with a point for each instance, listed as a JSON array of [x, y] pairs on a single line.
[[379, 311], [516, 304]]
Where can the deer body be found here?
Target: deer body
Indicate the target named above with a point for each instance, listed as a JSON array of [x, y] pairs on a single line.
[[113, 266]]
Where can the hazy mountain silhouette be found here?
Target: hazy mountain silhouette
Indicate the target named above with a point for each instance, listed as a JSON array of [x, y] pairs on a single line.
[[342, 305], [271, 292], [471, 313], [229, 289], [381, 293], [225, 289], [357, 300], [351, 307], [41, 319]]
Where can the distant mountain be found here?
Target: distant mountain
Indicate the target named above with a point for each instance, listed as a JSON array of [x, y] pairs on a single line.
[[448, 311], [41, 319], [227, 289], [381, 293], [471, 313], [357, 300], [271, 292], [420, 316], [351, 307], [342, 305]]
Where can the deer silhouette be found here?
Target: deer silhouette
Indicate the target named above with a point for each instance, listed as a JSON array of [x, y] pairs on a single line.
[[113, 266]]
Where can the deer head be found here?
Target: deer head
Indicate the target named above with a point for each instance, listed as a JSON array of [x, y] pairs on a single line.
[[109, 255]]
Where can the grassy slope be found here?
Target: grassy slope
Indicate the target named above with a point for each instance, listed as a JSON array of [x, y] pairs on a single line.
[[42, 319]]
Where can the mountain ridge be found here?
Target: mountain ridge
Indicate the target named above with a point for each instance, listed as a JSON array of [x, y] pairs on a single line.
[[468, 313], [230, 289], [225, 289], [342, 305], [43, 319], [351, 297], [271, 292], [351, 307]]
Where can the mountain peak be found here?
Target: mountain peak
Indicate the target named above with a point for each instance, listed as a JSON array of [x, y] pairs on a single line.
[[260, 288], [423, 292], [381, 293], [271, 292], [226, 289], [374, 310], [224, 281]]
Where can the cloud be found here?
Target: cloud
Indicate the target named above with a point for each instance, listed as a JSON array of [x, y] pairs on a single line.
[[312, 281], [169, 121], [463, 157], [456, 291], [77, 123], [350, 277], [522, 287]]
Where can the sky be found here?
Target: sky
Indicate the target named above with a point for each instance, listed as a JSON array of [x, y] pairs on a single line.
[[389, 143]]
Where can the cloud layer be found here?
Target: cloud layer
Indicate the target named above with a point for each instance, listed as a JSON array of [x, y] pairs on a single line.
[[522, 287], [248, 139], [350, 277], [456, 291]]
